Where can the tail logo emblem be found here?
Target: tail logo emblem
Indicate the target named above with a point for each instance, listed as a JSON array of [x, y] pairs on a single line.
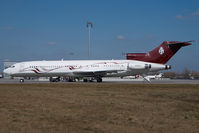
[[161, 51]]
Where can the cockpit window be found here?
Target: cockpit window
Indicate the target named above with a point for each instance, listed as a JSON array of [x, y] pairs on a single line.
[[12, 66]]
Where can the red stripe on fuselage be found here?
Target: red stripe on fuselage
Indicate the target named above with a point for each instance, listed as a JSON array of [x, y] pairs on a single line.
[[35, 71]]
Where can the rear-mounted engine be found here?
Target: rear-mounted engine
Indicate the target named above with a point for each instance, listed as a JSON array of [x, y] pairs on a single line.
[[147, 66], [167, 67]]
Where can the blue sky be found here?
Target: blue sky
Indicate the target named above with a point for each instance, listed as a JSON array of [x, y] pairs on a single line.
[[54, 30]]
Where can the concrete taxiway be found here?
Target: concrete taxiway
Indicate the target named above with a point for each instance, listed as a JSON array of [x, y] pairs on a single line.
[[111, 80]]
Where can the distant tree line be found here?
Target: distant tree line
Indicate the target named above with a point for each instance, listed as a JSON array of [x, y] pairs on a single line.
[[185, 74]]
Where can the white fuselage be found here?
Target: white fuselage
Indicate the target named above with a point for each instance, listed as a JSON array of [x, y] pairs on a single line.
[[82, 68]]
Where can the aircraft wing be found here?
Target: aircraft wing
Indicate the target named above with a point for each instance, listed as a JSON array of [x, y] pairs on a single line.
[[101, 73]]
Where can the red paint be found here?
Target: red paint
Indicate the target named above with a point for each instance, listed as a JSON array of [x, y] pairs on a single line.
[[71, 68], [35, 71], [159, 55]]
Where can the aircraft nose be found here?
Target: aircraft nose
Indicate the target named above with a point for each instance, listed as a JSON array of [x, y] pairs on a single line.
[[6, 71]]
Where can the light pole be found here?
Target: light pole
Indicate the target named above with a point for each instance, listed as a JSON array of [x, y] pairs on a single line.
[[89, 25]]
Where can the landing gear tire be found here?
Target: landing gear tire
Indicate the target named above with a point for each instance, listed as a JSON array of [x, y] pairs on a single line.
[[21, 80], [99, 80], [85, 80], [54, 79], [70, 80]]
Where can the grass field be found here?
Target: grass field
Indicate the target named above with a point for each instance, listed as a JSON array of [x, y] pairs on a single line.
[[99, 108]]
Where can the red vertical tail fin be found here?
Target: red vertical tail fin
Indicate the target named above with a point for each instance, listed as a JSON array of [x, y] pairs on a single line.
[[161, 54]]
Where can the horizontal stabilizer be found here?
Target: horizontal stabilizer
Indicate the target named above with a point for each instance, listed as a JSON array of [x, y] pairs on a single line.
[[182, 44]]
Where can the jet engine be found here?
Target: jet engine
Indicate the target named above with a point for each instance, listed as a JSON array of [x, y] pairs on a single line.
[[167, 67], [139, 66]]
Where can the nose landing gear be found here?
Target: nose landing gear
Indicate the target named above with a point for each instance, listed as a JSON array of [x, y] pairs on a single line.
[[21, 80]]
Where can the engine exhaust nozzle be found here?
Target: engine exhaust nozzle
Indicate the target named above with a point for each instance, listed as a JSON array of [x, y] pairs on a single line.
[[167, 67]]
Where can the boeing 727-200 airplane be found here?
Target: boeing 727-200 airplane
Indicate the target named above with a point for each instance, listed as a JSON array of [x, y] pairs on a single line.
[[136, 64]]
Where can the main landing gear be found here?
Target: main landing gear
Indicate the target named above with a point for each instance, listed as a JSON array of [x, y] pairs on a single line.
[[98, 79], [56, 79]]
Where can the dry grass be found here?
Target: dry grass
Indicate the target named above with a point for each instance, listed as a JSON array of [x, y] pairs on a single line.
[[99, 108]]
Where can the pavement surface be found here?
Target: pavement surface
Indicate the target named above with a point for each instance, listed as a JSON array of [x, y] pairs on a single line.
[[110, 80]]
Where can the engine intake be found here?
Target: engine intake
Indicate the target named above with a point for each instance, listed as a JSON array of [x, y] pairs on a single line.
[[147, 66], [139, 66]]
